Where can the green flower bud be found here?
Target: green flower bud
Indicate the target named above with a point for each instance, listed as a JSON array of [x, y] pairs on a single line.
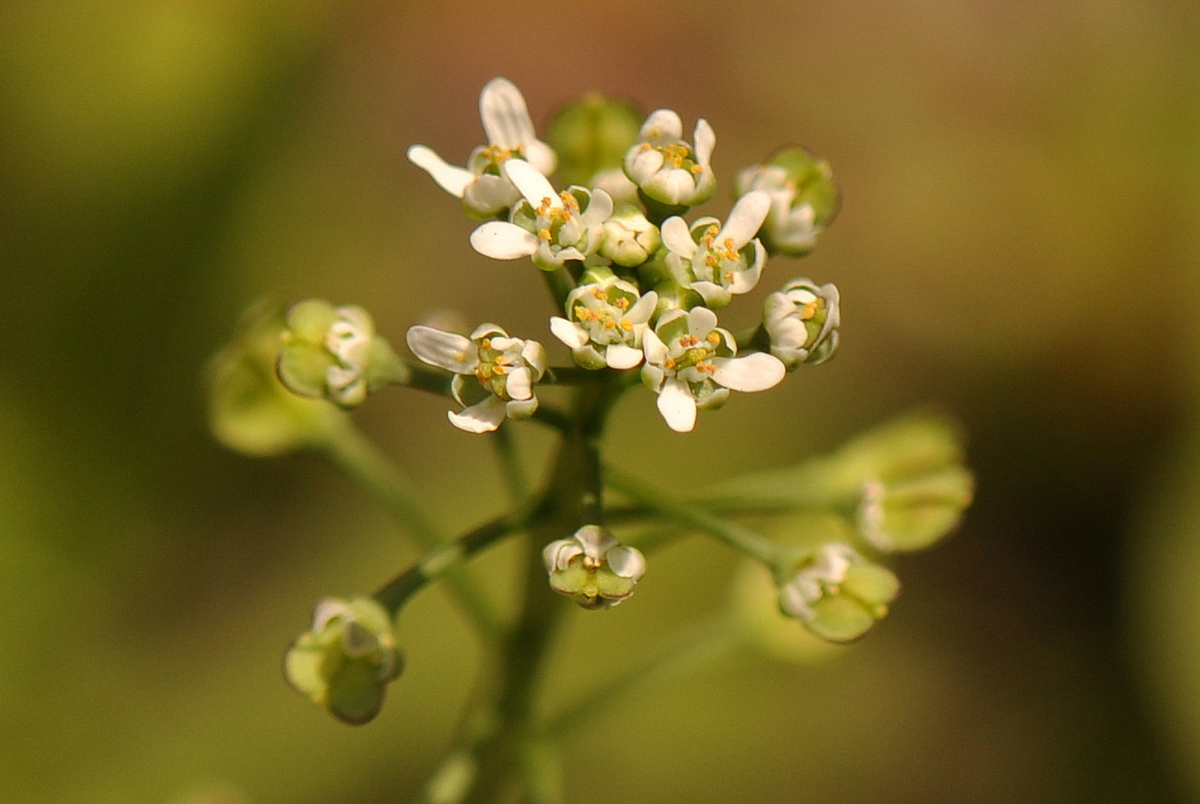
[[249, 409], [593, 567], [836, 593], [909, 482], [345, 661], [335, 354], [629, 238], [804, 199], [591, 136]]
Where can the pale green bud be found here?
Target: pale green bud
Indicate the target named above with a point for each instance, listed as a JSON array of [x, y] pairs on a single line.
[[249, 409], [593, 567], [629, 238], [345, 661], [836, 592], [591, 137], [334, 353]]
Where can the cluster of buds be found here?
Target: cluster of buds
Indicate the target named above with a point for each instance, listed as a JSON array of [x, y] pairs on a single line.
[[639, 283]]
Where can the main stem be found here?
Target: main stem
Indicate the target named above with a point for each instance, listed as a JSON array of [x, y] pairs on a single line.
[[572, 498]]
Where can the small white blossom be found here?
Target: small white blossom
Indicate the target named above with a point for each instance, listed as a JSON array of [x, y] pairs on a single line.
[[349, 341], [481, 185], [837, 593], [548, 226], [504, 368], [668, 169], [606, 320], [714, 260], [802, 322], [691, 363], [593, 567]]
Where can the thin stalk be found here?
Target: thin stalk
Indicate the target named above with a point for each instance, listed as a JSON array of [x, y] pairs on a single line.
[[358, 457], [737, 536]]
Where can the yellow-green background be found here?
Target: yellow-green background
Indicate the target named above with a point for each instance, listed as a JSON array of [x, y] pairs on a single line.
[[1018, 243]]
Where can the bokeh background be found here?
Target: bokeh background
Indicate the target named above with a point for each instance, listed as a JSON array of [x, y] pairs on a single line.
[[1018, 245]]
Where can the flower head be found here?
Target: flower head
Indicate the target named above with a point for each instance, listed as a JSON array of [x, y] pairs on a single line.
[[606, 317], [494, 373], [345, 661], [802, 322], [691, 363], [837, 593], [668, 169], [593, 567], [548, 226], [718, 261], [482, 186]]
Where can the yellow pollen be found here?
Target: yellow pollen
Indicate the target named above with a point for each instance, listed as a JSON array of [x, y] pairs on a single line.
[[809, 310], [621, 304], [625, 325], [600, 294], [544, 234], [706, 368], [713, 338], [669, 363], [609, 323]]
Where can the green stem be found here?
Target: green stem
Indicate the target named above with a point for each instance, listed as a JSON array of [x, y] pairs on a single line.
[[510, 464], [736, 536], [358, 457], [560, 283]]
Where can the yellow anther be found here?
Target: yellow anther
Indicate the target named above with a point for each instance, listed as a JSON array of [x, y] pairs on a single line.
[[609, 323], [713, 338], [809, 310], [706, 368], [544, 234], [669, 363], [621, 304], [600, 294], [625, 325]]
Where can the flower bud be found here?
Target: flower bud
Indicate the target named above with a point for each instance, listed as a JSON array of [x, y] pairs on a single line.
[[802, 322], [334, 353], [909, 483], [804, 199], [591, 136], [629, 238], [345, 661], [836, 593], [249, 409], [593, 567]]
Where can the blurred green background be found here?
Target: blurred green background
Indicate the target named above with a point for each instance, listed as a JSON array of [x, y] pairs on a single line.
[[1018, 243]]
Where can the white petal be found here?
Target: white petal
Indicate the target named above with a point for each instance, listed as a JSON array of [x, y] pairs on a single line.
[[656, 351], [677, 185], [641, 311], [446, 350], [754, 372], [541, 156], [678, 238], [519, 384], [503, 241], [662, 127], [627, 562], [677, 406], [504, 114], [704, 139], [569, 333], [489, 195], [482, 418], [453, 180], [601, 207], [620, 356], [533, 185], [534, 355], [701, 320], [746, 218]]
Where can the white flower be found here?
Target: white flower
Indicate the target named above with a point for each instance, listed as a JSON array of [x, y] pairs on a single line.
[[481, 186], [505, 369], [719, 261], [837, 593], [548, 226], [606, 320], [593, 567], [691, 363], [802, 322], [668, 169]]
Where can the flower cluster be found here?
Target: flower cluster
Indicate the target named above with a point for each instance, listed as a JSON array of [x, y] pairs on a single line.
[[638, 284]]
